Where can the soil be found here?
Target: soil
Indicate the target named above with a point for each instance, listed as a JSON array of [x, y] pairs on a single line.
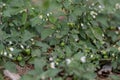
[[23, 70]]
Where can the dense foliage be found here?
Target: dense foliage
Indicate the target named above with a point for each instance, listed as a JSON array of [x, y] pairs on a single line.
[[61, 38]]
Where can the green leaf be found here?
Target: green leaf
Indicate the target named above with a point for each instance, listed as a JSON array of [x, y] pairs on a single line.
[[77, 11], [97, 32], [1, 77], [46, 4], [27, 35], [44, 46], [118, 43], [17, 3], [54, 41], [1, 35], [36, 21], [45, 33], [103, 20], [7, 13], [113, 35], [24, 18], [52, 19], [78, 55], [27, 77], [57, 79], [51, 72], [10, 66], [39, 64], [115, 77], [1, 47], [90, 33], [22, 63], [68, 51], [10, 12], [36, 52]]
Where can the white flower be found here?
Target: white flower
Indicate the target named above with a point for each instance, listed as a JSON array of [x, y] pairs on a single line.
[[52, 65], [117, 6], [113, 55], [50, 35], [103, 35], [5, 53], [114, 45], [1, 52], [11, 49], [94, 16], [43, 77], [33, 42], [93, 4], [82, 24], [116, 32], [46, 19], [10, 42], [83, 59], [57, 31], [41, 16], [93, 13], [33, 8], [91, 56], [94, 41], [32, 39], [68, 61], [1, 13], [48, 14], [22, 46], [51, 59], [4, 4], [102, 42], [18, 28], [76, 39], [10, 55], [21, 11], [119, 48], [56, 63], [119, 28], [100, 6], [24, 10]]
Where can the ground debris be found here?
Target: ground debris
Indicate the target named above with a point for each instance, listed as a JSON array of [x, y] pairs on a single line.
[[105, 71], [12, 76]]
